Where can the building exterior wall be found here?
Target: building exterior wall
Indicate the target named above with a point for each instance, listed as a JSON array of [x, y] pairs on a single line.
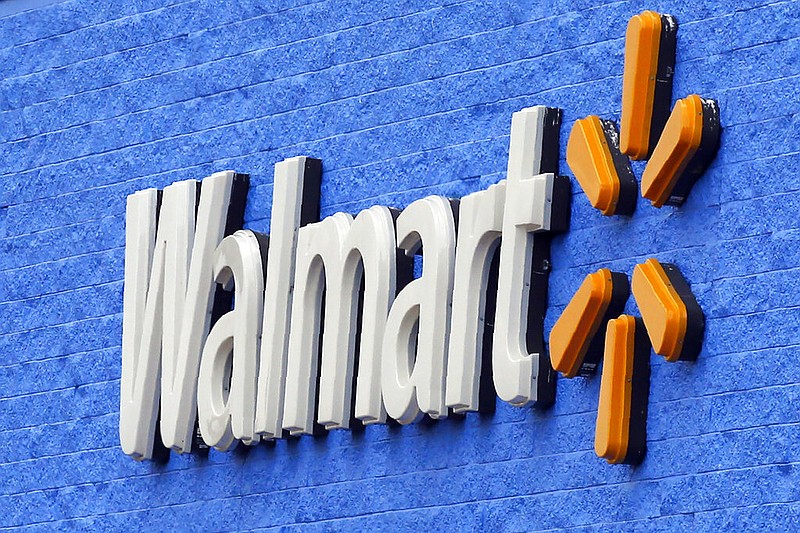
[[400, 99]]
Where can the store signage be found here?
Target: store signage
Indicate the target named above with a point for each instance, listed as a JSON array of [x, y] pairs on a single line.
[[265, 367], [323, 325]]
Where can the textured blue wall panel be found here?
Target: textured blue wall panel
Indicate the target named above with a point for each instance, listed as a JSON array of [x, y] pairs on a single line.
[[400, 100]]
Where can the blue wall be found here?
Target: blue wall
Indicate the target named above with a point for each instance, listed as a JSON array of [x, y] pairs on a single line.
[[400, 99]]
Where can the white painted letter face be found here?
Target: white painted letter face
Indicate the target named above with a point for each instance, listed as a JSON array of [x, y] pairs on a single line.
[[319, 249], [226, 390], [167, 302], [344, 252], [263, 370], [415, 340], [527, 210], [371, 243], [295, 179], [141, 344], [480, 222]]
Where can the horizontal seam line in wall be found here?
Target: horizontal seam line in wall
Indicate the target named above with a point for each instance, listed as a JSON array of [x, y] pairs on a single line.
[[725, 431], [59, 423], [763, 157], [704, 283], [291, 43], [296, 145], [151, 43], [766, 349], [406, 474], [306, 142], [734, 88], [299, 454], [45, 295], [580, 451], [466, 502], [537, 494], [757, 313], [588, 526], [442, 113], [71, 322], [759, 6], [303, 108], [395, 17], [726, 393], [57, 357], [577, 414], [754, 313], [116, 415], [756, 122], [63, 226], [637, 256], [56, 456], [227, 465], [783, 192], [740, 49], [404, 191], [294, 455], [57, 35], [661, 362], [252, 52], [690, 514], [736, 11], [57, 390], [109, 312], [667, 401], [756, 236], [62, 259]]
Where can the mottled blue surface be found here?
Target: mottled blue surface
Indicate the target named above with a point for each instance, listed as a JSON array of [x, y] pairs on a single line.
[[400, 99]]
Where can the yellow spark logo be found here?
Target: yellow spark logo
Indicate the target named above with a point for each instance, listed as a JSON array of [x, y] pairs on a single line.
[[678, 146]]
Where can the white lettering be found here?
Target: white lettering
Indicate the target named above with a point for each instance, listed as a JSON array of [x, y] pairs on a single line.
[[168, 298], [338, 253], [226, 391], [480, 222], [296, 183], [527, 210], [319, 248], [415, 340]]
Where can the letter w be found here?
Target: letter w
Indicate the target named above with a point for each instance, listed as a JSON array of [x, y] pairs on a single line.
[[167, 304]]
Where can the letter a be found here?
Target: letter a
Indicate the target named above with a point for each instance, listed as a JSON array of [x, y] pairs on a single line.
[[415, 339]]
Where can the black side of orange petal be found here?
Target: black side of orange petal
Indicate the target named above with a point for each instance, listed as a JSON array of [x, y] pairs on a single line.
[[640, 394], [662, 95], [628, 188], [709, 144], [695, 319]]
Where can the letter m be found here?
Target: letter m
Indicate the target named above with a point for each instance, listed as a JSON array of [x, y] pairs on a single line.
[[170, 238]]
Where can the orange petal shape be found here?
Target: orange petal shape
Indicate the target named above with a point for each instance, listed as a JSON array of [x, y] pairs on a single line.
[[670, 312], [686, 147], [601, 296], [624, 389], [647, 81], [602, 171]]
